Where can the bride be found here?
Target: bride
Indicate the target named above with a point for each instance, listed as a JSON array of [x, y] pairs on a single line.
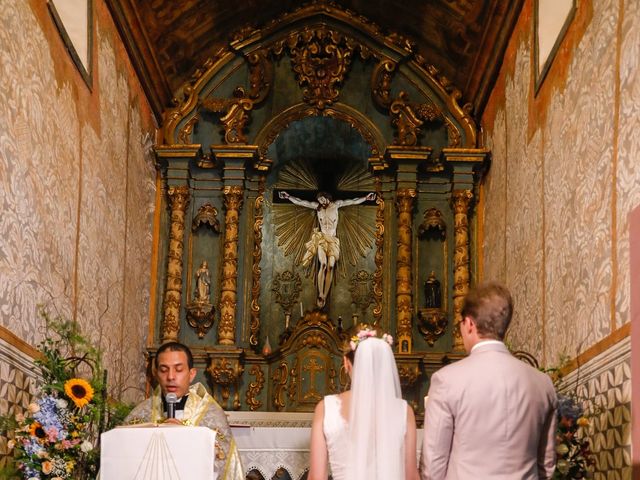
[[368, 432]]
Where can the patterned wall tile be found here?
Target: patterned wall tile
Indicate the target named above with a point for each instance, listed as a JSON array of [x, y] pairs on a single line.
[[17, 386], [606, 382]]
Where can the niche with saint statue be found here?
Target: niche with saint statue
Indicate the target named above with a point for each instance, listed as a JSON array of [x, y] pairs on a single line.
[[200, 308], [432, 316]]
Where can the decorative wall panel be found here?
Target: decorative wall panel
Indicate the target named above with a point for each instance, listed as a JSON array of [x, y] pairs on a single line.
[[568, 188], [606, 382], [76, 194], [495, 188], [17, 386], [578, 196], [628, 173]]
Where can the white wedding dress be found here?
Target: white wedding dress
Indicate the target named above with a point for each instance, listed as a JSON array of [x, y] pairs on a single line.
[[336, 433]]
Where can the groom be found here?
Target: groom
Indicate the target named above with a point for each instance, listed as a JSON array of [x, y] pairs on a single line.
[[490, 415]]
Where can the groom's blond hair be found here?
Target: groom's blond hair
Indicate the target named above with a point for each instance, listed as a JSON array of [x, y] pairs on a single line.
[[490, 306]]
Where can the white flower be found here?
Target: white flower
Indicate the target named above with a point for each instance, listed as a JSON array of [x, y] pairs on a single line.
[[86, 446], [62, 403], [33, 408], [11, 444]]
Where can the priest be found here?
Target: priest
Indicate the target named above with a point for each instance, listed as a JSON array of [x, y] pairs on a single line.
[[174, 371]]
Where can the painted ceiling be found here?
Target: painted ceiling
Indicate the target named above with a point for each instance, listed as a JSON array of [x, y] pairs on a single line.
[[169, 40]]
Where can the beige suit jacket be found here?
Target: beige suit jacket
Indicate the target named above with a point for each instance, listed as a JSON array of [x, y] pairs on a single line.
[[489, 416]]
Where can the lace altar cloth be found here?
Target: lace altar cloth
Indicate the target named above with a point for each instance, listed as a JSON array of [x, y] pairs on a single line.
[[268, 441]]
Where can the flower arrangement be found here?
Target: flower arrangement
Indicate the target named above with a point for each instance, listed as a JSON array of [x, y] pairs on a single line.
[[368, 333], [574, 455], [574, 458], [57, 437]]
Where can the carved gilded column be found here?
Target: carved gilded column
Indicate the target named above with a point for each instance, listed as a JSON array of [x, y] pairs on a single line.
[[178, 201], [228, 296], [460, 200], [404, 295], [467, 165]]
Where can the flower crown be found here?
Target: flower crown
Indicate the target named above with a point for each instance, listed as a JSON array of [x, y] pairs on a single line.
[[367, 333]]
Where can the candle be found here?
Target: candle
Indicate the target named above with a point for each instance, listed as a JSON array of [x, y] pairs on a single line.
[[301, 311], [287, 316]]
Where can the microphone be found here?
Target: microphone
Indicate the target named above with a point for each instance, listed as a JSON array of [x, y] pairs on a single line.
[[171, 400]]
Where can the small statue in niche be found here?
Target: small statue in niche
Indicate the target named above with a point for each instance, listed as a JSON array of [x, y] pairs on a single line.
[[432, 293], [203, 283]]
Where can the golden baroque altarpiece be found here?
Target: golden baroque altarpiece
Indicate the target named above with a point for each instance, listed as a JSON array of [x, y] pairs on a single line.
[[319, 100]]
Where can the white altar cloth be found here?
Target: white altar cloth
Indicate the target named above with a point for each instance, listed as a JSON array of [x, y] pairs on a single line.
[[157, 453], [268, 441]]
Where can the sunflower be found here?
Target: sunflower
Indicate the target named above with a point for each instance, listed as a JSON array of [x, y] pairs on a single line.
[[36, 430], [79, 391]]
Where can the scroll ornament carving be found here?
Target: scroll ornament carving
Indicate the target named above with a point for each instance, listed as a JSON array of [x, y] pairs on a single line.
[[408, 117], [178, 200], [226, 373], [293, 384], [254, 326], [287, 287], [207, 215], [461, 200], [433, 324], [320, 58], [315, 340], [381, 83], [408, 373], [433, 221], [184, 136], [260, 75], [279, 379], [361, 290], [200, 317], [255, 388], [235, 114], [379, 255]]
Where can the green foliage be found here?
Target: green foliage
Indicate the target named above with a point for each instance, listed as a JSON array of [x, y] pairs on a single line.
[[575, 460], [59, 435]]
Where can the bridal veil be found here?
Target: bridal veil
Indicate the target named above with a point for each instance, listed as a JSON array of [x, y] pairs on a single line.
[[378, 415]]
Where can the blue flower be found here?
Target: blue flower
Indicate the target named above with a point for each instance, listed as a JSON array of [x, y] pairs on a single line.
[[569, 408]]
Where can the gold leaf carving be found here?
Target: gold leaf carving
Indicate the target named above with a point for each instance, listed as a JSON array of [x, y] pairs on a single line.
[[255, 388], [320, 59]]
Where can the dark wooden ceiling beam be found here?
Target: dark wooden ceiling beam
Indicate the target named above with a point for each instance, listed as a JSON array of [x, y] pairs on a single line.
[[142, 55]]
